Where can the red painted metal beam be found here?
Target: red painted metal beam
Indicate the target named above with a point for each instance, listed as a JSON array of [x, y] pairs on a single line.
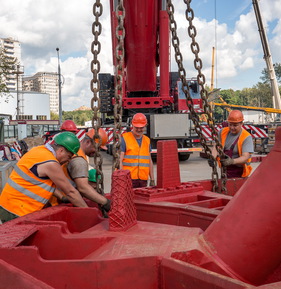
[[245, 239]]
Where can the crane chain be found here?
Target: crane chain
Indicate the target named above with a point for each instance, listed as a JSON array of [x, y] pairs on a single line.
[[201, 80], [119, 73], [95, 88], [203, 92]]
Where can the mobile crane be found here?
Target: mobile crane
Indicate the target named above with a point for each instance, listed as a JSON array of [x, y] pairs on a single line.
[[159, 97], [267, 57]]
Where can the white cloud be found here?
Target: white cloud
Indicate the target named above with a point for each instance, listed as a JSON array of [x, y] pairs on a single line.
[[43, 25]]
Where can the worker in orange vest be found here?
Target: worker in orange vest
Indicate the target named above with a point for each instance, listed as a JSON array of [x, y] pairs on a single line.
[[135, 153], [238, 146], [76, 169], [35, 177]]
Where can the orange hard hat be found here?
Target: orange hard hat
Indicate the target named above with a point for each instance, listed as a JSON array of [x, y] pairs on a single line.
[[139, 120], [235, 116], [102, 134], [69, 125]]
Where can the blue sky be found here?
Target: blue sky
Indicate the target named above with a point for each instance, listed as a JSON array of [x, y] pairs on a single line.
[[43, 25]]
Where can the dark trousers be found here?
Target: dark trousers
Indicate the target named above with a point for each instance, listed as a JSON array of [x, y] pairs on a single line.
[[139, 183]]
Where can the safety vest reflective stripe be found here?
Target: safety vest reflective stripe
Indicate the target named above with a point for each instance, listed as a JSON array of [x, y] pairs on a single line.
[[136, 165], [137, 158], [33, 181], [247, 168], [27, 192]]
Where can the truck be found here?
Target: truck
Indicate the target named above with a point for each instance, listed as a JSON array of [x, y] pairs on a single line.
[[149, 85]]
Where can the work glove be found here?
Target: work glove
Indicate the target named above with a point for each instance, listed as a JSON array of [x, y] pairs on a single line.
[[211, 163], [227, 161], [65, 200], [151, 183], [106, 206]]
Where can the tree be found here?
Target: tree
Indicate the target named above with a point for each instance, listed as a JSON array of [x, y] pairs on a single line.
[[265, 74], [7, 66], [78, 116], [54, 116]]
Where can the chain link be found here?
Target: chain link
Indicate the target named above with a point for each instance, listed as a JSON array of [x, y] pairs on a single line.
[[204, 94], [201, 81], [119, 73], [95, 87]]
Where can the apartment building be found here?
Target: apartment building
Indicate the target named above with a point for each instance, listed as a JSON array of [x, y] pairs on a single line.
[[44, 82], [12, 51]]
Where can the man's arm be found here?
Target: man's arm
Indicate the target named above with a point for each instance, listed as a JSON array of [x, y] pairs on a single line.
[[242, 160], [121, 160], [151, 171], [247, 150], [88, 191], [78, 170], [54, 171], [122, 153]]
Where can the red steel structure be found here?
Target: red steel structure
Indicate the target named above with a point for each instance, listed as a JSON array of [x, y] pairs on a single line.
[[149, 85], [67, 247]]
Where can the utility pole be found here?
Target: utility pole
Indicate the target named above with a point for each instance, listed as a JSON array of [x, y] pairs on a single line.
[[18, 72], [59, 83]]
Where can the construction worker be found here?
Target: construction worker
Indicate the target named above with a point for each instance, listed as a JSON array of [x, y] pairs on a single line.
[[69, 125], [35, 177], [238, 146], [135, 153], [92, 178], [77, 169]]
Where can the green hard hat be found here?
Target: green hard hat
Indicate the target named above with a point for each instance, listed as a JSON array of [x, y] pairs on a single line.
[[68, 140], [93, 175]]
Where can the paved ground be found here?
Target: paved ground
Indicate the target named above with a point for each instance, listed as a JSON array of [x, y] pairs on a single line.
[[195, 168]]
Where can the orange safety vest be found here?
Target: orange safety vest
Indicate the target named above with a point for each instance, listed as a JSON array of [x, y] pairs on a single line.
[[24, 192], [137, 158], [54, 200], [244, 134]]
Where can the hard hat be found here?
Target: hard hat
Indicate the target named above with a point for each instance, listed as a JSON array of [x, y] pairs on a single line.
[[139, 120], [69, 125], [93, 176], [102, 134], [235, 116], [68, 140]]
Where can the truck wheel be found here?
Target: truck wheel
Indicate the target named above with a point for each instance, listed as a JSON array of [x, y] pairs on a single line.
[[184, 156]]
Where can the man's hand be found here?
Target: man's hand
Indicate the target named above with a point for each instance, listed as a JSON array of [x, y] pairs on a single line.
[[227, 161], [107, 206], [151, 183]]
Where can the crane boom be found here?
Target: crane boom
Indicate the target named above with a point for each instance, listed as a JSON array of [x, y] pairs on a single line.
[[265, 109], [267, 57]]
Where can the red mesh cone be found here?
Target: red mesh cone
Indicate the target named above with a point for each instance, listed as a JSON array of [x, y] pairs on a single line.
[[123, 214], [168, 169]]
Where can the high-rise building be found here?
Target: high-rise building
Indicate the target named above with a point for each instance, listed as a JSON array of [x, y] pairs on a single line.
[[46, 82], [12, 51]]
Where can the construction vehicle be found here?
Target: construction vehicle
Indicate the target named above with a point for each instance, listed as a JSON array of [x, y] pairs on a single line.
[[270, 67], [267, 57], [264, 109], [161, 97]]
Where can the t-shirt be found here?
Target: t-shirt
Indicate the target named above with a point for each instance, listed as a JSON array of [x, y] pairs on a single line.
[[247, 145], [78, 168]]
